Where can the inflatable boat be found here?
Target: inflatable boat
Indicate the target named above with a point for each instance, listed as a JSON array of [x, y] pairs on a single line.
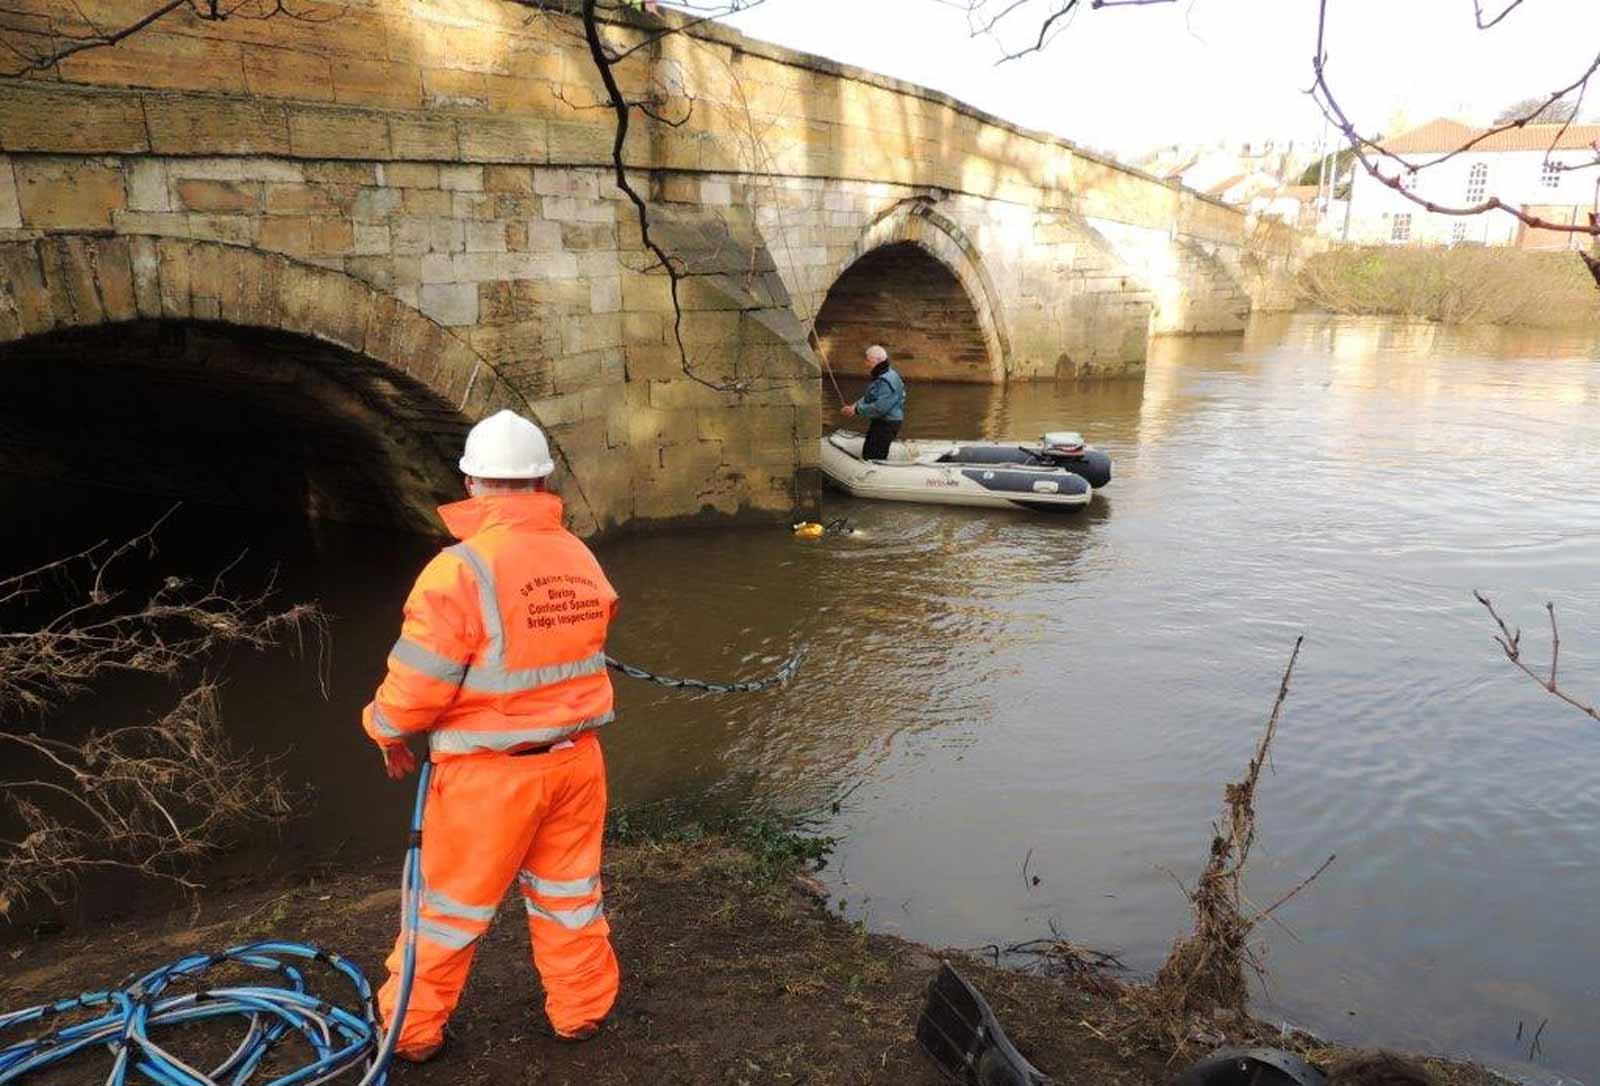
[[1058, 473]]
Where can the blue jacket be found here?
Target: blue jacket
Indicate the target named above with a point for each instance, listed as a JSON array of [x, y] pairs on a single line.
[[885, 398]]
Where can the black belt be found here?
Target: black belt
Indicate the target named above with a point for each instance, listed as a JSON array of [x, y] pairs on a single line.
[[534, 750]]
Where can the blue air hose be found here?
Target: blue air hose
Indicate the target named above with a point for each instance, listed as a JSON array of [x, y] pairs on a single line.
[[126, 1021], [123, 1021]]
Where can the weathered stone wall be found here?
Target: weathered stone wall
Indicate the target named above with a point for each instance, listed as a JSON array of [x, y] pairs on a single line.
[[518, 271], [1051, 296], [425, 185]]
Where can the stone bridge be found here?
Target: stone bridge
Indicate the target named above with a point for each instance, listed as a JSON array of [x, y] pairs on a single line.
[[284, 262]]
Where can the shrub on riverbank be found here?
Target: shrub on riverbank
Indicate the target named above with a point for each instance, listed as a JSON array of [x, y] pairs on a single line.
[[1460, 285]]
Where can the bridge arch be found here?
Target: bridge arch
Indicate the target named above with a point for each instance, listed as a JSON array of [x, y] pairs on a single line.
[[915, 259], [197, 369]]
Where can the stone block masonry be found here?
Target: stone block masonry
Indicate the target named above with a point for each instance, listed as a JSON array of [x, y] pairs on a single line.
[[425, 184]]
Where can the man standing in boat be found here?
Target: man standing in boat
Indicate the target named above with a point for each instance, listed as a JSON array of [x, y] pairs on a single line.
[[884, 403]]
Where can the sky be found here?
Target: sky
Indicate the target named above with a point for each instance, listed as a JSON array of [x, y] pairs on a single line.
[[1132, 78]]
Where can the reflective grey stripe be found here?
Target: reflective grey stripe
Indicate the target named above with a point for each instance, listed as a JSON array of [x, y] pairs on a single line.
[[455, 741], [445, 935], [444, 903], [488, 604], [559, 887], [383, 725], [430, 663], [571, 919], [497, 680]]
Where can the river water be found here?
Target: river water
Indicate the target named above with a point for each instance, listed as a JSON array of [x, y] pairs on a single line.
[[1001, 691]]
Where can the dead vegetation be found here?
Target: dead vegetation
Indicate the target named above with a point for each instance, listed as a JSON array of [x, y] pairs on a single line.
[[1460, 285], [1199, 997], [1205, 971], [150, 797]]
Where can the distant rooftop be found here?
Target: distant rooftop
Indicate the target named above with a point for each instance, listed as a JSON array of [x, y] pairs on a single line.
[[1444, 134]]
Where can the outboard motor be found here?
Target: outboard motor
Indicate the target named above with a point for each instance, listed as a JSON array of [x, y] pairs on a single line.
[[1065, 448], [1063, 443]]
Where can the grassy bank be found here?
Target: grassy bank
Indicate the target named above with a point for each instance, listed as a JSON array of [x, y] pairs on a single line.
[[1461, 285], [734, 972]]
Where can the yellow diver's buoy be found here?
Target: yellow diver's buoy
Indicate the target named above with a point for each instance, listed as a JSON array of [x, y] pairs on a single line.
[[807, 529]]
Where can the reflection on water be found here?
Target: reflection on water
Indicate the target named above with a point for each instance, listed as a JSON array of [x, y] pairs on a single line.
[[1081, 686]]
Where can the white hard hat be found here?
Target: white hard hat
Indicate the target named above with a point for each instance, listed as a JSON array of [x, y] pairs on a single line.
[[506, 446]]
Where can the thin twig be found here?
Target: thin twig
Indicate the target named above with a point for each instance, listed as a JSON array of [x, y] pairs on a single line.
[[1477, 6], [207, 11], [1510, 642], [99, 41], [1307, 881], [1555, 645]]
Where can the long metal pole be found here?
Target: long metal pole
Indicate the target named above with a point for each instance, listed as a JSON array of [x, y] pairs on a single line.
[[1350, 197], [1322, 177]]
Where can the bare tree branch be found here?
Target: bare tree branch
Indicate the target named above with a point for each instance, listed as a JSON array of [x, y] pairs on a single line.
[[715, 12], [69, 44], [1058, 15], [1295, 892], [1510, 642], [622, 107], [149, 798], [98, 40], [1368, 150], [1477, 10]]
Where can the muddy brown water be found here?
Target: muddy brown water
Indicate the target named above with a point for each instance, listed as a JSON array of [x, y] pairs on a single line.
[[1014, 697]]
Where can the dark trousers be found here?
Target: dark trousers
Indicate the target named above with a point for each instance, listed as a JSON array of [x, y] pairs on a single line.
[[879, 434]]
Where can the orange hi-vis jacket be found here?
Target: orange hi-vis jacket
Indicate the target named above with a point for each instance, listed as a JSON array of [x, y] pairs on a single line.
[[503, 643]]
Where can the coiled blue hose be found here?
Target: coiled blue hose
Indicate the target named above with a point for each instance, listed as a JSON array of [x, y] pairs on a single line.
[[340, 1038], [128, 1019]]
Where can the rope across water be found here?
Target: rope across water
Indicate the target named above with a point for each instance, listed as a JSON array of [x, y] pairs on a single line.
[[777, 678]]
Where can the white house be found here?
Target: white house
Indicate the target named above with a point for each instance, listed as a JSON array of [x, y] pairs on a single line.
[[1292, 204], [1240, 189], [1520, 166], [1204, 168]]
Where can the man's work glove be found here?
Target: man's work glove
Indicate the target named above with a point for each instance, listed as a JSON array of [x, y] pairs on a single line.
[[398, 761]]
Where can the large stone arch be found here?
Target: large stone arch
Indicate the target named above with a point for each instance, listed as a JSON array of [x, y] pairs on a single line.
[[918, 222], [390, 367], [80, 280]]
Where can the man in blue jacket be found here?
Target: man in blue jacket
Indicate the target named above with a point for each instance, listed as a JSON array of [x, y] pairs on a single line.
[[884, 403]]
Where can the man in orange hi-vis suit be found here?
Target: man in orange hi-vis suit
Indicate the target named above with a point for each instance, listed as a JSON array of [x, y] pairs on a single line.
[[501, 663]]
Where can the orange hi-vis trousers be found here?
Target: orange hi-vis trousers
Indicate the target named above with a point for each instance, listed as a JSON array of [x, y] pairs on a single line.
[[491, 819]]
